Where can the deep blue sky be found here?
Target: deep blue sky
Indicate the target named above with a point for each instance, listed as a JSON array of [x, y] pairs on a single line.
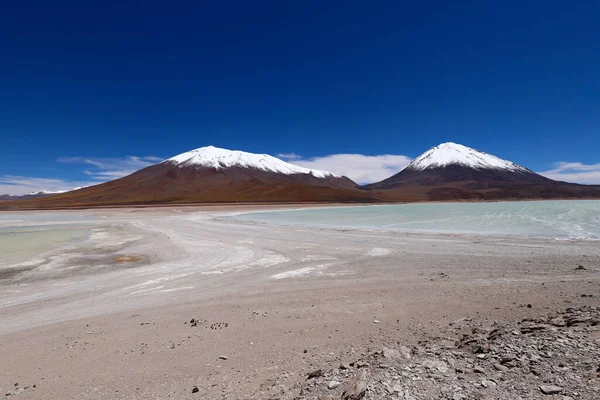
[[98, 79]]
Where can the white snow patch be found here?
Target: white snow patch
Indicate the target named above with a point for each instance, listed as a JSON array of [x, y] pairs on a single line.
[[214, 157], [456, 154]]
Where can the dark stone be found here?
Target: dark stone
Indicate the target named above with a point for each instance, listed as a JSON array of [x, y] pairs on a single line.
[[315, 374]]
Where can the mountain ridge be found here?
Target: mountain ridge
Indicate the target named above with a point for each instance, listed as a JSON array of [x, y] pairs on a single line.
[[449, 171]]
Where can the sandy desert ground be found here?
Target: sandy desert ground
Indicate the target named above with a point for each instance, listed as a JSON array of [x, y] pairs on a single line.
[[158, 302]]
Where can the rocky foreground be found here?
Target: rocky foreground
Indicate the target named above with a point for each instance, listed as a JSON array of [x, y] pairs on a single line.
[[553, 357]]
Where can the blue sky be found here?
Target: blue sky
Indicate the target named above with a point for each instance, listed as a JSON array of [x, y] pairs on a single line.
[[91, 90]]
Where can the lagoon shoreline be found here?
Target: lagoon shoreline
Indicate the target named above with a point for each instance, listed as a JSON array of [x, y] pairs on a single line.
[[277, 302]]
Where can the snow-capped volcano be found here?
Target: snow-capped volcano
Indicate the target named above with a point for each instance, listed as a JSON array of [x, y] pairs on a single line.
[[451, 170], [209, 175], [447, 154], [217, 158]]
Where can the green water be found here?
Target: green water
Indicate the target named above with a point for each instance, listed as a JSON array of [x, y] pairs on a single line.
[[18, 243], [24, 235], [547, 219]]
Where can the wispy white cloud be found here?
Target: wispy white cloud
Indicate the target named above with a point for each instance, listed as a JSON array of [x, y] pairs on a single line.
[[98, 169], [289, 156], [103, 169], [574, 172], [20, 185], [358, 167]]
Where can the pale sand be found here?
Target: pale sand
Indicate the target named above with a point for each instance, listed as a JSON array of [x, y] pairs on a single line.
[[92, 325]]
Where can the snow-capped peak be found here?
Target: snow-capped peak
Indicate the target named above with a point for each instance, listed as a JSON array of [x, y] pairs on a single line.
[[214, 157], [450, 153]]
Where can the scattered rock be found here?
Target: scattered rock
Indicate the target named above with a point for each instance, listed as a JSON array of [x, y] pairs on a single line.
[[405, 352], [536, 371], [197, 322], [219, 325], [15, 392], [390, 353], [195, 389], [436, 365], [315, 374], [488, 384], [332, 385], [222, 357], [360, 364], [500, 367], [550, 389], [486, 360], [357, 387], [580, 268], [258, 313]]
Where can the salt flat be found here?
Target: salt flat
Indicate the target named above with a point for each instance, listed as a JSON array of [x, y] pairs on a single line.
[[109, 316]]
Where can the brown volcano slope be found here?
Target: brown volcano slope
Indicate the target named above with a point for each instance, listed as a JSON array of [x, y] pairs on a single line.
[[166, 183], [457, 182]]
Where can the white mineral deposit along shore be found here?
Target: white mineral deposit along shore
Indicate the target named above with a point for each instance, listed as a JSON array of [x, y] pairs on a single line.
[[152, 303]]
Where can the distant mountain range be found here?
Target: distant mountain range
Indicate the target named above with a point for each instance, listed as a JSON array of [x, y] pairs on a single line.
[[32, 195], [449, 171]]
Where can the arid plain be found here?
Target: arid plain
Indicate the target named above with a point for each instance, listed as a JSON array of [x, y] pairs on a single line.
[[185, 302]]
